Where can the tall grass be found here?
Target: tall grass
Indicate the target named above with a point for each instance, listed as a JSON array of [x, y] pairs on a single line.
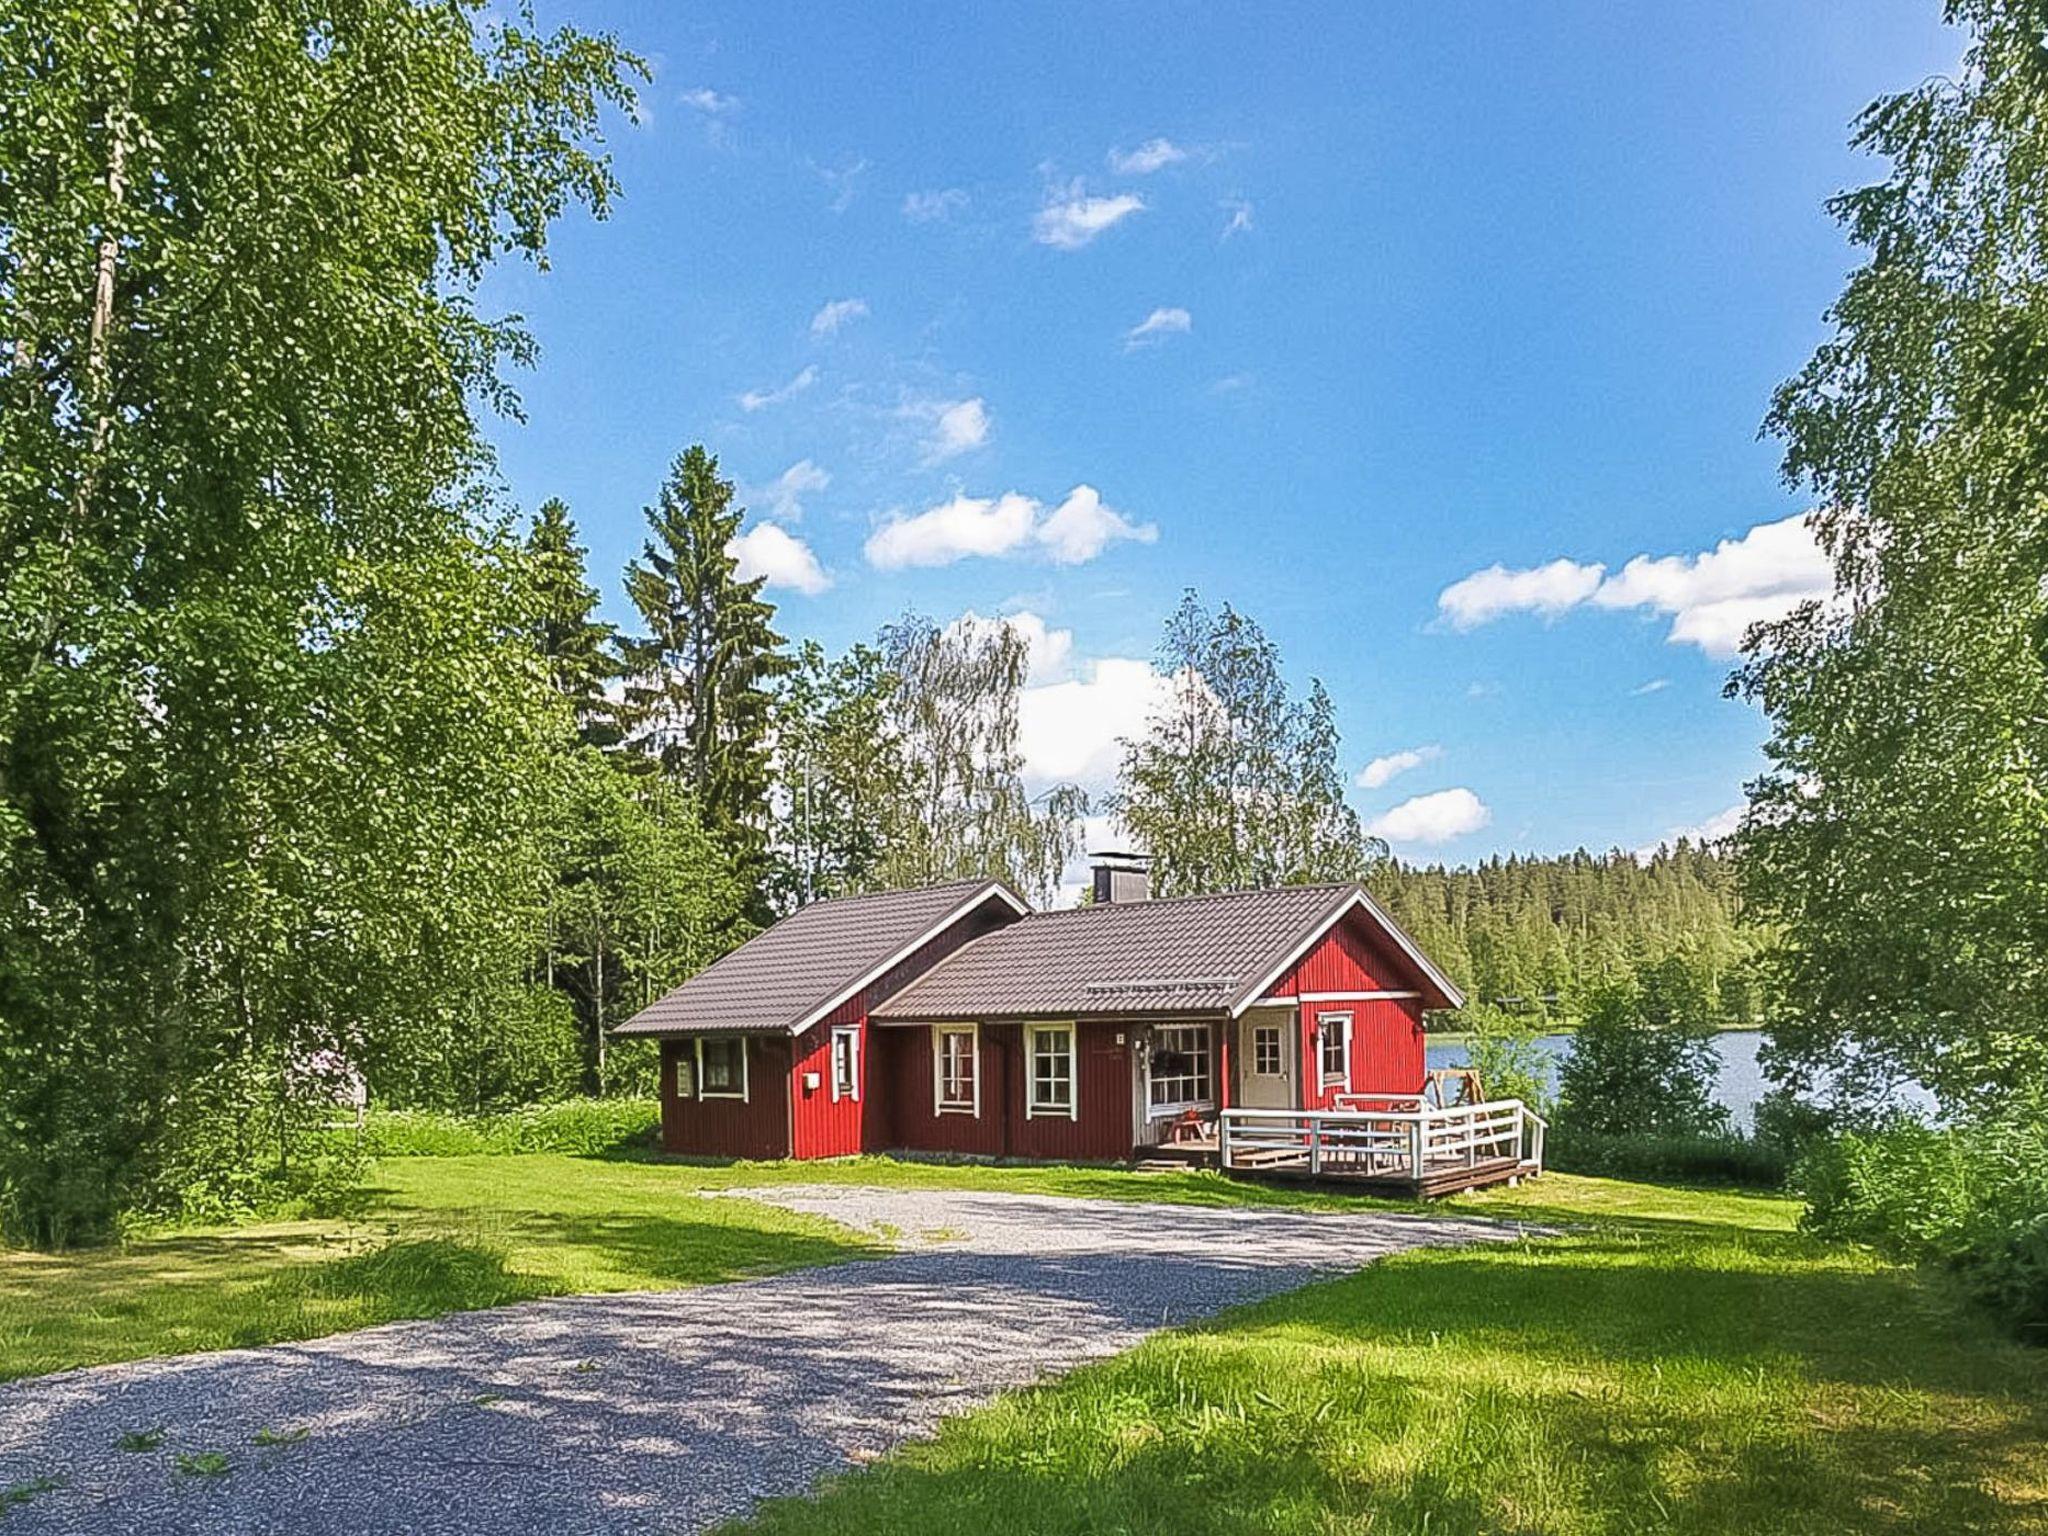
[[580, 1127]]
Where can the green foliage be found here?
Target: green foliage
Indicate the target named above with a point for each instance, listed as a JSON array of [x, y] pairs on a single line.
[[698, 689], [274, 747], [1643, 1061], [204, 1464], [1503, 1048], [1900, 835], [575, 645], [584, 1127], [1974, 1197], [1714, 1158], [842, 774], [1534, 935], [141, 1439], [1235, 785], [950, 718]]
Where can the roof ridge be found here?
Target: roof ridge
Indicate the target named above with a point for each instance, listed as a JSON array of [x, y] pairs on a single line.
[[965, 882], [1173, 901]]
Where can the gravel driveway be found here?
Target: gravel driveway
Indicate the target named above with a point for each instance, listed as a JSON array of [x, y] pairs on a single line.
[[659, 1412]]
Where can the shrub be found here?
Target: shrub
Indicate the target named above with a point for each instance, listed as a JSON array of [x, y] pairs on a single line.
[[584, 1127], [1974, 1198], [1643, 1061], [1706, 1159], [1502, 1049]]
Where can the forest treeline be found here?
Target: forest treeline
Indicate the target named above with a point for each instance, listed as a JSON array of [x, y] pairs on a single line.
[[1537, 935]]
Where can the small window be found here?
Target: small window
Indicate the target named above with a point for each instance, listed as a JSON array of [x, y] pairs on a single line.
[[1336, 1048], [1052, 1070], [958, 1082], [1178, 1068], [846, 1063], [722, 1067], [686, 1077], [1266, 1046]]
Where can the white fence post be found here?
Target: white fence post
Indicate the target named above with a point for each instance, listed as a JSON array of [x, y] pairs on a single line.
[[1315, 1146], [1223, 1139]]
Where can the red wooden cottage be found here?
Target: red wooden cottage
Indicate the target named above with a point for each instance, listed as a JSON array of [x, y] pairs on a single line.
[[956, 1019]]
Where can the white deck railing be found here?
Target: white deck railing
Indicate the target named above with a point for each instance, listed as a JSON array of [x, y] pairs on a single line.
[[1405, 1139]]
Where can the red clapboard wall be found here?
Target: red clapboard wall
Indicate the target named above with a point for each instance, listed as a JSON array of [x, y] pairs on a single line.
[[822, 1126], [903, 1068], [1386, 1033], [756, 1126]]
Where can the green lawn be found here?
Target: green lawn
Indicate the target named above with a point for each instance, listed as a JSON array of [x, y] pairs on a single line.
[[1683, 1360], [443, 1234]]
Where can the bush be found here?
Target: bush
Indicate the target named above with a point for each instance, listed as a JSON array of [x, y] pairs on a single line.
[[584, 1127], [1502, 1049], [1703, 1159], [1643, 1061], [1974, 1198]]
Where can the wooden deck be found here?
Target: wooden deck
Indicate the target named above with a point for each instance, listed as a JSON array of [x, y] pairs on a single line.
[[1418, 1151]]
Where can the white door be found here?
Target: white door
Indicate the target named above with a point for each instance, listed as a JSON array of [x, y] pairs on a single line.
[[1265, 1055]]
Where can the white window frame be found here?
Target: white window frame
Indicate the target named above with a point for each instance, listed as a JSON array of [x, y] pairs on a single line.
[[1325, 1023], [1278, 1037], [1180, 1106], [940, 1104], [850, 1033], [1033, 1109], [705, 1093]]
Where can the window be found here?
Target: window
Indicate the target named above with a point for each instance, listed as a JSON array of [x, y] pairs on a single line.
[[1267, 1060], [1178, 1068], [957, 1083], [1336, 1048], [846, 1062], [721, 1067], [686, 1077], [1052, 1071]]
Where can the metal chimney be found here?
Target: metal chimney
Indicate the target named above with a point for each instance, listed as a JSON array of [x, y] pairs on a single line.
[[1121, 877]]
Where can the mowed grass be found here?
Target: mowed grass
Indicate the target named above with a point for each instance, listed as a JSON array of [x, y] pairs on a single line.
[[441, 1235], [1683, 1361]]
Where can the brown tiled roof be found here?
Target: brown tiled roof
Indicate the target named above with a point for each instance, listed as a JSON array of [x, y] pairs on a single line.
[[1195, 954], [790, 975]]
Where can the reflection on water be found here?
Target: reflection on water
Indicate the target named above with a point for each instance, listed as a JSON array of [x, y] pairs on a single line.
[[1741, 1084]]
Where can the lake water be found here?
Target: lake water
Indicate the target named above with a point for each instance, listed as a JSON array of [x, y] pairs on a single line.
[[1742, 1081]]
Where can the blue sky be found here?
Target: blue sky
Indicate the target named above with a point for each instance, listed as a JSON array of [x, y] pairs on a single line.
[[1386, 324]]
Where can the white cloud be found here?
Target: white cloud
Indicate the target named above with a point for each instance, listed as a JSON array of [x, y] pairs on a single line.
[[1654, 685], [1158, 325], [1381, 769], [1546, 589], [710, 102], [1721, 824], [1240, 219], [786, 560], [1082, 526], [953, 530], [760, 399], [1152, 155], [843, 181], [931, 207], [1072, 731], [1437, 818], [1071, 219], [784, 495], [1712, 597], [1074, 532], [828, 320], [957, 428]]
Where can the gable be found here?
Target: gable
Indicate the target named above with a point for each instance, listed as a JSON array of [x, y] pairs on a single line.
[[822, 955]]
